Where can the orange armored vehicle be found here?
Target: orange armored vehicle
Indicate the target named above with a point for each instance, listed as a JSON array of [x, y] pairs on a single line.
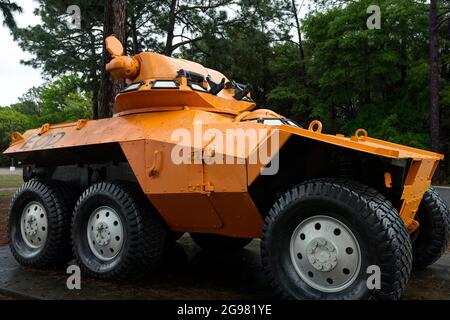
[[188, 151]]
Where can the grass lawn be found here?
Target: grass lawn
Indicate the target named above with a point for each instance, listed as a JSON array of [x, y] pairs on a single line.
[[10, 181]]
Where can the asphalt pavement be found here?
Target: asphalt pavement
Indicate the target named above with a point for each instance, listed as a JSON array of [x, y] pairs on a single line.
[[444, 192], [191, 273]]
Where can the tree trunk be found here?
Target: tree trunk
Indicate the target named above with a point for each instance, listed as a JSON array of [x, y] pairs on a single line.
[[94, 81], [134, 35], [114, 23], [299, 34], [95, 91], [434, 77], [447, 51], [168, 50], [301, 50]]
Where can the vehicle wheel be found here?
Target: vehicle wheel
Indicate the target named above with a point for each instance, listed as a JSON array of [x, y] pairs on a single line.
[[430, 240], [39, 223], [218, 242], [116, 233], [320, 237]]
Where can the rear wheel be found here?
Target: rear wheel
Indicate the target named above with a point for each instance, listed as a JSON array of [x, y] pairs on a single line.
[[39, 222], [116, 233], [321, 238], [430, 240], [218, 242]]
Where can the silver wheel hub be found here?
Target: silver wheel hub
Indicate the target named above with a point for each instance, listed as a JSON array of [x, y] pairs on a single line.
[[102, 234], [33, 225], [325, 253], [105, 233], [322, 254]]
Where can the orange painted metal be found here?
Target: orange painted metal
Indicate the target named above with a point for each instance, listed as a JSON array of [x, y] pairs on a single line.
[[366, 144], [388, 180], [417, 183], [16, 137], [114, 46], [201, 196], [123, 67]]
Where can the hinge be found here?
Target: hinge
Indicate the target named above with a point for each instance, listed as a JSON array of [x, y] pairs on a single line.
[[205, 188]]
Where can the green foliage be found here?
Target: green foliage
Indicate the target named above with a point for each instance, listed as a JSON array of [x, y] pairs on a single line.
[[59, 49], [374, 79], [243, 50], [62, 100], [341, 72], [7, 8], [10, 120]]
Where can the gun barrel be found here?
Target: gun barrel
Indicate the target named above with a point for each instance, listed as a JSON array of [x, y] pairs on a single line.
[[123, 67]]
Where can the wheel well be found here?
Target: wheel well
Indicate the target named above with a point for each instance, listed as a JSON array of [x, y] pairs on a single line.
[[302, 159], [81, 165]]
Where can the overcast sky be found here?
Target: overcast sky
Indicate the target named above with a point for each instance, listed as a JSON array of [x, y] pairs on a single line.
[[15, 78]]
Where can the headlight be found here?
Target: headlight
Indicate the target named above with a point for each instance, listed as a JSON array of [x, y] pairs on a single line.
[[165, 84]]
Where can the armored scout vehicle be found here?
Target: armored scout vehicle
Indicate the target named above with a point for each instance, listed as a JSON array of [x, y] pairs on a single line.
[[328, 209]]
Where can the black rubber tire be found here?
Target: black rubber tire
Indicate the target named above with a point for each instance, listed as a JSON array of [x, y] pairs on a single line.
[[209, 241], [376, 224], [58, 199], [430, 240], [144, 232]]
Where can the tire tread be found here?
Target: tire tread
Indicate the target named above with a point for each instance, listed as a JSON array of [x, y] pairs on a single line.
[[381, 216]]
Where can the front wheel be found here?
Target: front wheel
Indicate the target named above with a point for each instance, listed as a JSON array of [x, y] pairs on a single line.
[[323, 240]]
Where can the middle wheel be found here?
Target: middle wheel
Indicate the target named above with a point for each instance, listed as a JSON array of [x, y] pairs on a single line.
[[115, 232]]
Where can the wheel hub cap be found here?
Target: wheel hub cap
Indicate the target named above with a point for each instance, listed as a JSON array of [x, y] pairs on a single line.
[[325, 253], [322, 254], [105, 233], [33, 225], [102, 234]]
